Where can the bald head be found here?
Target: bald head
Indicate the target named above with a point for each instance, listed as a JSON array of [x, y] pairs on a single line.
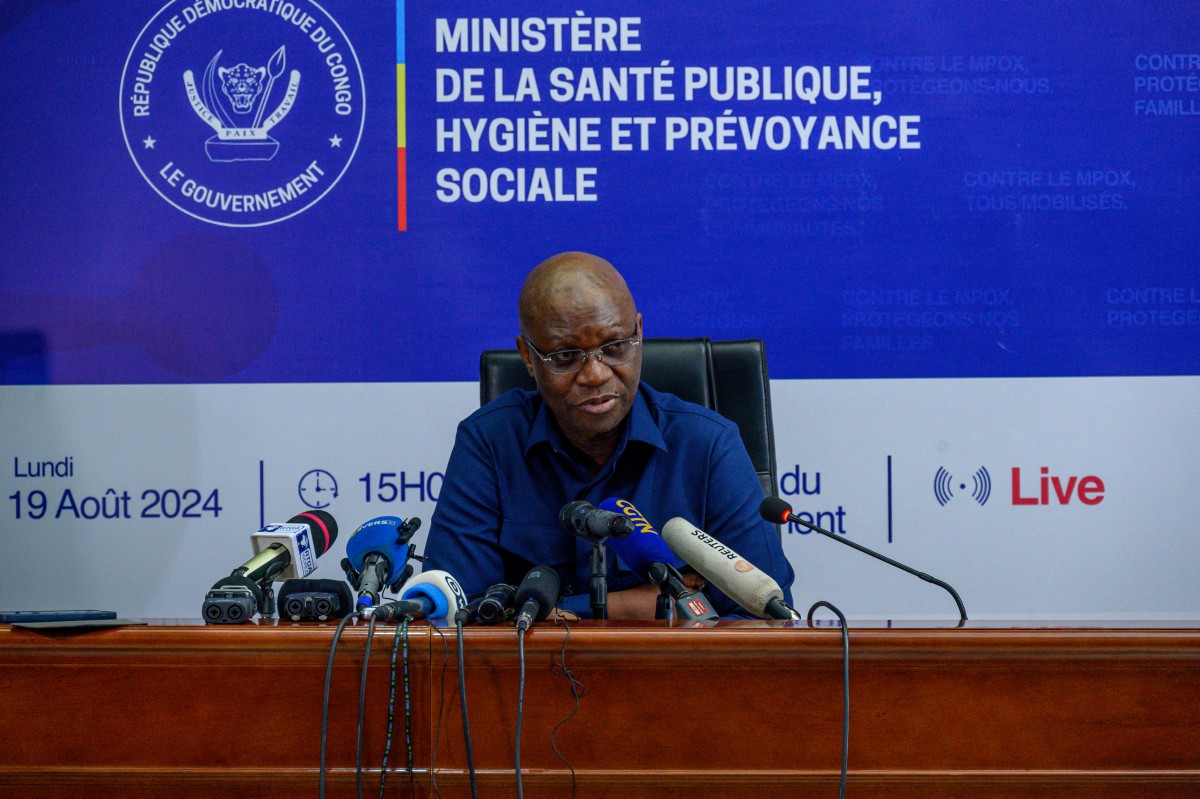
[[566, 282], [577, 301]]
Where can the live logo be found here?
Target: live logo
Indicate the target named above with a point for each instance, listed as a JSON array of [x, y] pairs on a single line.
[[1056, 490]]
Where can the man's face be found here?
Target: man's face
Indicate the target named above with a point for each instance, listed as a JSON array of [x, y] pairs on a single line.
[[588, 405]]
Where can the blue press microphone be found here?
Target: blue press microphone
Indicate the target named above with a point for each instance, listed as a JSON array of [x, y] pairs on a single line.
[[644, 546], [648, 556], [377, 555]]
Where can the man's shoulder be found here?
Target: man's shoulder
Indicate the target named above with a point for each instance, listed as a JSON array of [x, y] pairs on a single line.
[[670, 410], [514, 407]]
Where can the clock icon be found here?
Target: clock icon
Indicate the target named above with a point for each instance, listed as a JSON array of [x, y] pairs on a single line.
[[318, 488]]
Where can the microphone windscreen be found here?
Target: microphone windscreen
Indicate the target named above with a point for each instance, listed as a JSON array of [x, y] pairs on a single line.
[[774, 510], [644, 546], [436, 608], [542, 585], [626, 509], [324, 528], [641, 549], [737, 577], [381, 534], [440, 589]]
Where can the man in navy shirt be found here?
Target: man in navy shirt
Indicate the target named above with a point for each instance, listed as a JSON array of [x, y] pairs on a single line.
[[590, 432]]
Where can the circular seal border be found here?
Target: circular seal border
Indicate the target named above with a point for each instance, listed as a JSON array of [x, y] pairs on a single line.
[[362, 123]]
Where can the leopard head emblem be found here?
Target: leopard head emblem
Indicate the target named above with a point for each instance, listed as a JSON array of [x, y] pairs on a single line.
[[241, 84]]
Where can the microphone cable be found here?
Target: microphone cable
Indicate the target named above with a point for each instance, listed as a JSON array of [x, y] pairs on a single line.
[[337, 634], [362, 707], [462, 697], [576, 691], [401, 634], [845, 688], [520, 710], [437, 738]]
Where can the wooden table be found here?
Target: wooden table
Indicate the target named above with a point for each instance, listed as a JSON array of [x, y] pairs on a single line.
[[180, 709]]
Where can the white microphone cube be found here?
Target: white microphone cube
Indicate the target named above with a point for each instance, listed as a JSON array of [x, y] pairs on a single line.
[[297, 539]]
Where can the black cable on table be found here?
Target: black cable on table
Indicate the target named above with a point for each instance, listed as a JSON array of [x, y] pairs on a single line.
[[462, 700], [325, 702], [845, 689]]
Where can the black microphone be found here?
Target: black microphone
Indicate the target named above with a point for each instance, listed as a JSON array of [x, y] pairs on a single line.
[[778, 511], [314, 600], [537, 595], [419, 608], [497, 604], [468, 614], [590, 523]]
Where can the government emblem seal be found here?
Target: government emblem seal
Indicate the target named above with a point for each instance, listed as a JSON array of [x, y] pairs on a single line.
[[242, 113]]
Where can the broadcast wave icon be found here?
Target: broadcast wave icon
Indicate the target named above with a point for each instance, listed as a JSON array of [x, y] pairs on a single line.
[[943, 486]]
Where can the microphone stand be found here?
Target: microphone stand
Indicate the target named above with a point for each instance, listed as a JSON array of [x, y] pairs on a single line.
[[962, 611], [268, 609], [674, 598], [661, 575], [599, 593], [578, 518], [664, 605], [599, 562]]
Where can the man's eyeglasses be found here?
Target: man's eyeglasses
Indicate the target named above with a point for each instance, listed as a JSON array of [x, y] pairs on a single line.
[[566, 362]]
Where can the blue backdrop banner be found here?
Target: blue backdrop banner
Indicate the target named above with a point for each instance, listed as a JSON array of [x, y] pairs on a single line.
[[292, 191]]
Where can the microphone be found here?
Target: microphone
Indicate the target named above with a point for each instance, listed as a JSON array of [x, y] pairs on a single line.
[[314, 600], [778, 511], [377, 555], [434, 594], [391, 611], [469, 613], [737, 577], [440, 589], [646, 554], [595, 526], [281, 551], [496, 605], [590, 523], [537, 595]]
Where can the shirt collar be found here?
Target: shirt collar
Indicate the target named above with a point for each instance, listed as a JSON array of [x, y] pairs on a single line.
[[642, 426]]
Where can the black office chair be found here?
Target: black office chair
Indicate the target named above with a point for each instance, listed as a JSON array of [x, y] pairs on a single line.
[[730, 377]]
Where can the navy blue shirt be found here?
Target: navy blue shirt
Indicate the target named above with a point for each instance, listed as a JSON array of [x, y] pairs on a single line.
[[510, 474]]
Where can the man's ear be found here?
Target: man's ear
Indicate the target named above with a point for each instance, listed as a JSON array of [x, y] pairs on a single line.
[[526, 356]]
